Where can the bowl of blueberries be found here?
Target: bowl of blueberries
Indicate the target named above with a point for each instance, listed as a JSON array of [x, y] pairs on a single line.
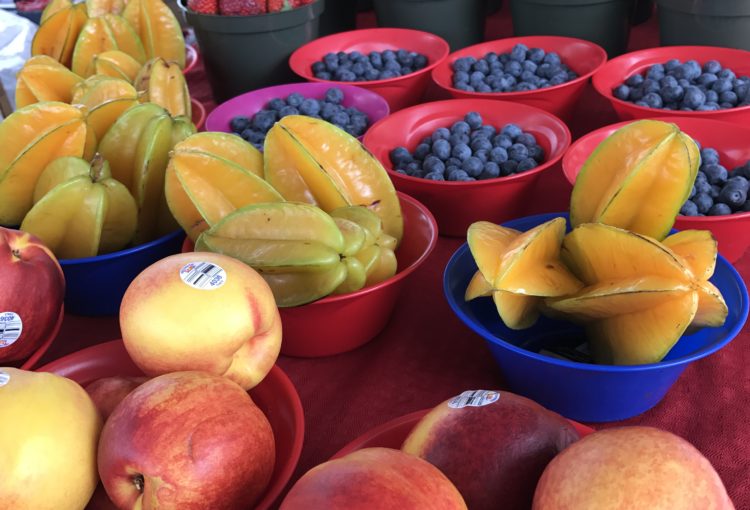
[[466, 166], [252, 114], [393, 62], [719, 199], [681, 81], [548, 72]]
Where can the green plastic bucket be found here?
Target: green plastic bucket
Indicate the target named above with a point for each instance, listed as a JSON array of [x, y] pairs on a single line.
[[604, 22], [460, 22], [243, 53], [705, 23]]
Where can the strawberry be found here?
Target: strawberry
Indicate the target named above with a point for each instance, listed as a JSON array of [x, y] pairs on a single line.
[[242, 7], [203, 6], [280, 5]]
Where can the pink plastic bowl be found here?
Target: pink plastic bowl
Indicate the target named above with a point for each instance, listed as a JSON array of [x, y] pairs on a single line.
[[399, 92], [250, 103], [341, 323], [198, 113], [619, 69], [458, 204], [730, 140], [275, 396], [581, 56], [191, 59]]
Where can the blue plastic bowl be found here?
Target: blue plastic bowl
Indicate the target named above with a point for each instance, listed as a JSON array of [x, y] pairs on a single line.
[[582, 391], [95, 285]]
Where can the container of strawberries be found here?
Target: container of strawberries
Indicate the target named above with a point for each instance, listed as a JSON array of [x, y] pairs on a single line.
[[246, 44]]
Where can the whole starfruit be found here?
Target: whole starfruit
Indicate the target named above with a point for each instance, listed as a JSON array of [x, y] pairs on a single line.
[[58, 32], [163, 83], [43, 78], [116, 64], [82, 211], [105, 99], [105, 33], [158, 29]]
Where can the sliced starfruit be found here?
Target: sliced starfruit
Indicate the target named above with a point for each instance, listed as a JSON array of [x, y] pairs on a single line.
[[106, 33], [114, 63], [310, 160], [636, 179], [158, 29], [518, 269], [85, 213], [163, 83], [105, 100], [295, 247], [43, 78], [32, 137], [57, 34]]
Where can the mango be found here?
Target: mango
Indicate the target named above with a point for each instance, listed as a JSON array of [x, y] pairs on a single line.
[[158, 29], [163, 83], [43, 78]]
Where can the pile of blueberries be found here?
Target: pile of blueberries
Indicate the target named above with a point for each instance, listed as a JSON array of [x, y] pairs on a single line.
[[470, 150], [376, 65], [686, 86], [520, 70], [329, 109], [717, 191]]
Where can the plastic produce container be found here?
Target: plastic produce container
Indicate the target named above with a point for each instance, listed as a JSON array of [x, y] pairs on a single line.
[[705, 22]]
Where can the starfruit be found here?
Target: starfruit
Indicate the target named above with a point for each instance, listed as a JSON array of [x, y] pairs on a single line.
[[32, 137], [105, 33], [640, 295], [86, 213], [105, 99], [101, 7], [43, 78], [137, 147], [158, 29], [637, 179], [204, 182], [163, 83], [309, 160], [114, 63], [56, 36]]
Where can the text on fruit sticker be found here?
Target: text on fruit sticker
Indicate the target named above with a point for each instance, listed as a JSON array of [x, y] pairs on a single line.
[[4, 378], [203, 275], [475, 398], [11, 327]]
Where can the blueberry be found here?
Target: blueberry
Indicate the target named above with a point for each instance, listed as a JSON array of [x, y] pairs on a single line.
[[546, 71], [641, 103], [712, 96], [461, 151], [728, 97], [309, 107], [440, 134], [558, 79], [670, 94], [715, 190], [456, 174], [457, 139], [465, 87], [414, 168], [634, 80], [491, 57], [721, 85], [345, 75], [433, 164], [703, 201], [427, 140], [420, 61], [502, 140], [324, 76], [388, 74], [668, 81], [553, 59], [526, 139], [498, 155], [738, 181], [474, 120], [689, 209], [264, 119], [328, 110], [482, 66], [726, 74], [636, 94], [442, 149], [653, 100], [649, 86], [483, 87], [491, 171], [693, 97], [481, 144], [526, 164], [743, 171], [733, 196], [518, 152], [525, 86], [746, 207], [375, 59], [422, 151], [239, 124], [434, 176], [715, 173], [508, 167], [706, 79], [253, 136], [478, 133], [655, 72], [537, 153], [536, 55], [460, 77], [453, 162], [464, 64], [741, 90], [719, 209], [518, 53], [488, 130], [340, 119], [400, 155], [528, 65], [473, 166], [700, 176], [702, 187], [529, 77], [693, 191], [621, 92], [671, 65], [482, 154], [512, 130]]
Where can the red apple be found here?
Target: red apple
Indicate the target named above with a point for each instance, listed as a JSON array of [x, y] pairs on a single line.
[[108, 392], [493, 445], [374, 479], [31, 294], [186, 441], [631, 468]]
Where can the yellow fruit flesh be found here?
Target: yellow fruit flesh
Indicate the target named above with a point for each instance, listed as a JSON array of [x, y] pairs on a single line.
[[57, 36], [102, 7], [115, 64], [125, 36], [44, 79], [698, 250], [487, 243], [159, 30], [517, 311], [478, 287], [227, 146], [167, 88], [96, 37], [712, 309]]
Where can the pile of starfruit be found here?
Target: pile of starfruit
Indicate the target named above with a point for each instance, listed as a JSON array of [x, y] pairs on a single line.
[[315, 214], [635, 289]]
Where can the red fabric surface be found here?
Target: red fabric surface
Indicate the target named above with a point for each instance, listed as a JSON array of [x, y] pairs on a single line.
[[426, 355]]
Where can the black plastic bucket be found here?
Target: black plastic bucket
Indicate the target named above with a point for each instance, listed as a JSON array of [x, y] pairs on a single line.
[[460, 22], [339, 16], [604, 22], [705, 23], [243, 53]]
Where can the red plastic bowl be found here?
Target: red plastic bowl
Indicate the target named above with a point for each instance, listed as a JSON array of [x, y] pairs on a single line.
[[617, 70], [730, 140], [198, 113], [458, 204], [276, 396], [252, 102], [392, 434], [191, 59], [31, 361], [399, 92], [341, 323], [581, 56]]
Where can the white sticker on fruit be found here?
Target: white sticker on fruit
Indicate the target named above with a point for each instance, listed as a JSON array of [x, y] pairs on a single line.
[[476, 398], [11, 327], [203, 275], [4, 378]]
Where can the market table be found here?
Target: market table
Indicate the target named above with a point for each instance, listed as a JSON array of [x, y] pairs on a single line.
[[426, 355]]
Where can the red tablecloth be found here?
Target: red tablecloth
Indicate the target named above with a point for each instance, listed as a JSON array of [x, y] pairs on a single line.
[[426, 355]]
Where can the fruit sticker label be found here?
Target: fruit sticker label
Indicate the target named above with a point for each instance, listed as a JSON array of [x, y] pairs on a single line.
[[476, 398], [203, 275], [4, 378], [11, 327]]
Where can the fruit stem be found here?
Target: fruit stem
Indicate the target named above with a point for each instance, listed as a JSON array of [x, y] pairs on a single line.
[[99, 168], [16, 253], [138, 482]]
